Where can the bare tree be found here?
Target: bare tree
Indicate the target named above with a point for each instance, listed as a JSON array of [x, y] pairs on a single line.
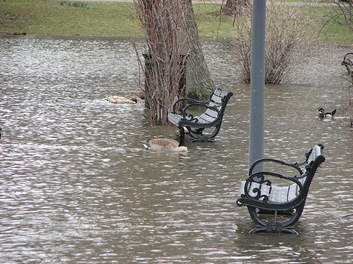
[[172, 41], [341, 12], [286, 40], [233, 7], [163, 73]]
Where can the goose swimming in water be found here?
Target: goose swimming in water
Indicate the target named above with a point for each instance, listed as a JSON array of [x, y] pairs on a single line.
[[322, 113], [121, 100], [164, 144]]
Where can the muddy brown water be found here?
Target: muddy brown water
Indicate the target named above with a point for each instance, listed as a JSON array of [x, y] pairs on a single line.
[[78, 187]]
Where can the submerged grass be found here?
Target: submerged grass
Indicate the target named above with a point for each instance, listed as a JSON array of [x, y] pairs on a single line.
[[62, 17]]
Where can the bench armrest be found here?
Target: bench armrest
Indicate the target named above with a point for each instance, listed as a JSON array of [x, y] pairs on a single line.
[[186, 101], [295, 165], [184, 110], [259, 178], [190, 117], [346, 60], [349, 63], [190, 103]]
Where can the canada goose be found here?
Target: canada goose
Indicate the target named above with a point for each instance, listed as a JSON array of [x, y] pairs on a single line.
[[164, 144], [322, 113], [121, 100]]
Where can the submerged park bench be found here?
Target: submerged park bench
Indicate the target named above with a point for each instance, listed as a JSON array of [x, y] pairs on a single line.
[[183, 117], [348, 62], [276, 209]]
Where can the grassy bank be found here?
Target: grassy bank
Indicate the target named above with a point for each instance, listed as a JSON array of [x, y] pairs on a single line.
[[61, 17], [64, 18], [93, 18]]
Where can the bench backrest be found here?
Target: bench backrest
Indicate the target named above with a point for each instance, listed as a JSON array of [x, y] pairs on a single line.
[[313, 161], [219, 99]]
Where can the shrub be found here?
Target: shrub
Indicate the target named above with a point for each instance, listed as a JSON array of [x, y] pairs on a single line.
[[286, 40]]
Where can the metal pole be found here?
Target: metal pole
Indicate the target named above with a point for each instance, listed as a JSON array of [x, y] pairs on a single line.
[[257, 87]]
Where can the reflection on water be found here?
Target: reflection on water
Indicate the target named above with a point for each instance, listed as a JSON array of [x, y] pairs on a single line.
[[78, 187]]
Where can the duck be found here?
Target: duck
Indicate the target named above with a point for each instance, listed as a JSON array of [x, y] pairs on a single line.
[[164, 144], [323, 114], [121, 100]]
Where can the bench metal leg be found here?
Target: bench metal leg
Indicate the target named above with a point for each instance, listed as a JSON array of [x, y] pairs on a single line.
[[274, 228], [274, 222], [196, 131], [198, 135]]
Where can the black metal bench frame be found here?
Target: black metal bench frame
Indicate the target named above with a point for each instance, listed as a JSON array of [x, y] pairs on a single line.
[[348, 62], [195, 125], [256, 191]]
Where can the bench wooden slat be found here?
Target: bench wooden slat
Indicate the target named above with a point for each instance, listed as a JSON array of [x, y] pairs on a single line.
[[220, 93], [204, 118], [174, 118], [217, 105], [216, 99], [211, 113]]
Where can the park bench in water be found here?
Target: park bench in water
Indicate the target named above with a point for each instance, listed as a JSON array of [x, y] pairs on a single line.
[[348, 62], [211, 117], [274, 208]]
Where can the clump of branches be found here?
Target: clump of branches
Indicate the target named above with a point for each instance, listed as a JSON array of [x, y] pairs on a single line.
[[163, 22], [234, 7], [341, 13], [286, 40]]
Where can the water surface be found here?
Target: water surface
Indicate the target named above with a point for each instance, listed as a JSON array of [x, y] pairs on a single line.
[[78, 187]]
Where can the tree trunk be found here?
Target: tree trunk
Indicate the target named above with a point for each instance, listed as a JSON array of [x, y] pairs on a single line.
[[199, 84], [234, 7], [171, 35]]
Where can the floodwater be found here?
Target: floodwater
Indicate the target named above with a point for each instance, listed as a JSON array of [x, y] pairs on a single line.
[[78, 187]]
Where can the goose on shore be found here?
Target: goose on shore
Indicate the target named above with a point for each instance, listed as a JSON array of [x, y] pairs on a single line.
[[164, 144], [121, 100]]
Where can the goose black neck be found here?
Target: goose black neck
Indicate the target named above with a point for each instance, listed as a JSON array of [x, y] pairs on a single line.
[[182, 137]]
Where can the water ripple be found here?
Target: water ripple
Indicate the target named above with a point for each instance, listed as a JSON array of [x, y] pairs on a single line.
[[77, 186]]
